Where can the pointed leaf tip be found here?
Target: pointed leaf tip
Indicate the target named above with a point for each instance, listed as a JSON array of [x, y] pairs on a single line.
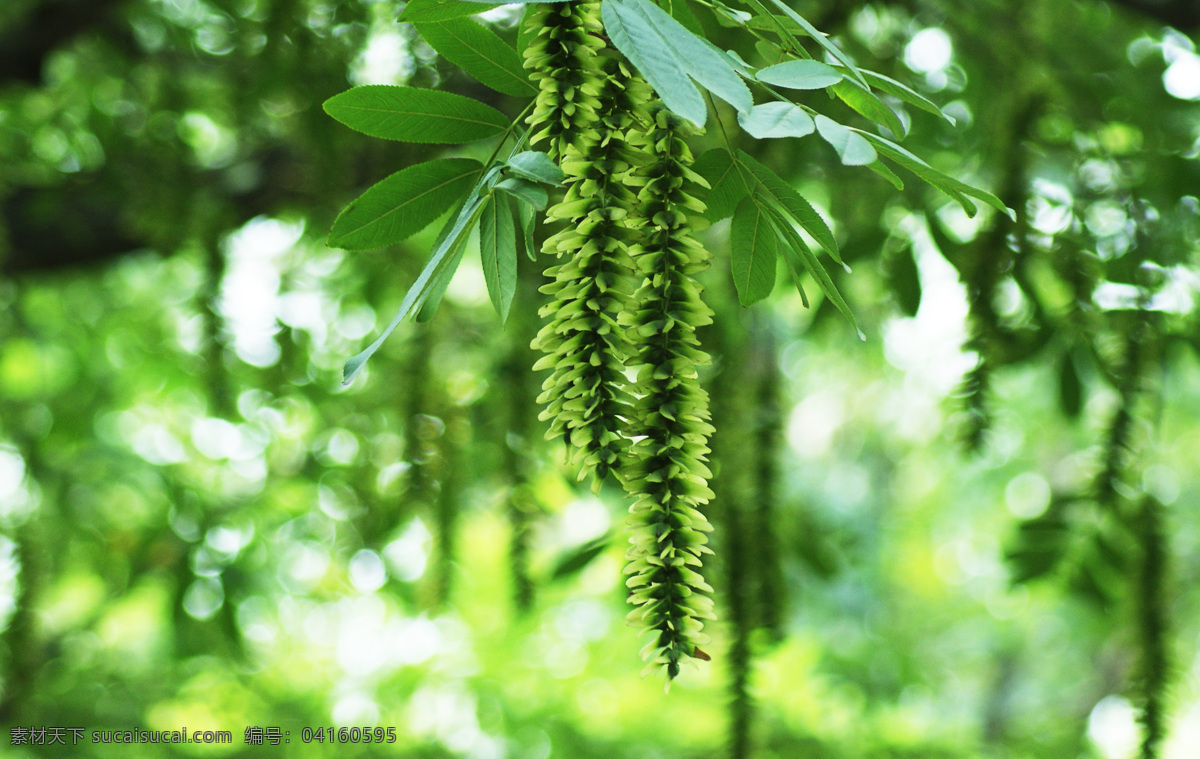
[[353, 367], [852, 148]]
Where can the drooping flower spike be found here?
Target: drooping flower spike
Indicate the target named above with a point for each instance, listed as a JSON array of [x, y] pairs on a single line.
[[666, 473], [586, 398]]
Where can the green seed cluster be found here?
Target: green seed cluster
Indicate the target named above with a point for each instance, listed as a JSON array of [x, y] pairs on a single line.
[[562, 62], [586, 395], [666, 471], [628, 213]]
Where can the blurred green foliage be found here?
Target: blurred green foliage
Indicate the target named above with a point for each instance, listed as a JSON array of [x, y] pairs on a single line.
[[199, 529]]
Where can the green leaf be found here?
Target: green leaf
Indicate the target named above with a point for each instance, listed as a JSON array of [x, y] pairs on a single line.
[[821, 40], [882, 170], [798, 254], [403, 204], [781, 26], [1070, 387], [446, 255], [793, 203], [481, 53], [754, 249], [944, 182], [904, 279], [850, 147], [797, 280], [704, 63], [441, 281], [768, 53], [727, 188], [525, 191], [415, 115], [1041, 545], [682, 12], [526, 216], [439, 10], [773, 22], [717, 166], [923, 170], [868, 104], [777, 119], [800, 75], [492, 176], [537, 166], [575, 559], [729, 17], [905, 93], [654, 59], [739, 64], [498, 253], [438, 289]]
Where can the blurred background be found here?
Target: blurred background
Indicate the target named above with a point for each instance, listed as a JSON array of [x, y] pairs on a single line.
[[972, 535]]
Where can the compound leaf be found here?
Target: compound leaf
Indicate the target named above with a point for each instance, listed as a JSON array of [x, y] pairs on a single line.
[[792, 202]]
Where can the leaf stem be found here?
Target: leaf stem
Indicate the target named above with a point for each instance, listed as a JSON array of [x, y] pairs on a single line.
[[720, 124], [504, 138]]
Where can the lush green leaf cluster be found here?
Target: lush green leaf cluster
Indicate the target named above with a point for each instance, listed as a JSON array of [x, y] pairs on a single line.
[[623, 391], [198, 526]]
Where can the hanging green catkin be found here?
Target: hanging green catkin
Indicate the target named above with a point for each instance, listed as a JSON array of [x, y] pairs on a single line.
[[586, 396], [733, 402], [1152, 627], [770, 598], [561, 59], [666, 472]]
